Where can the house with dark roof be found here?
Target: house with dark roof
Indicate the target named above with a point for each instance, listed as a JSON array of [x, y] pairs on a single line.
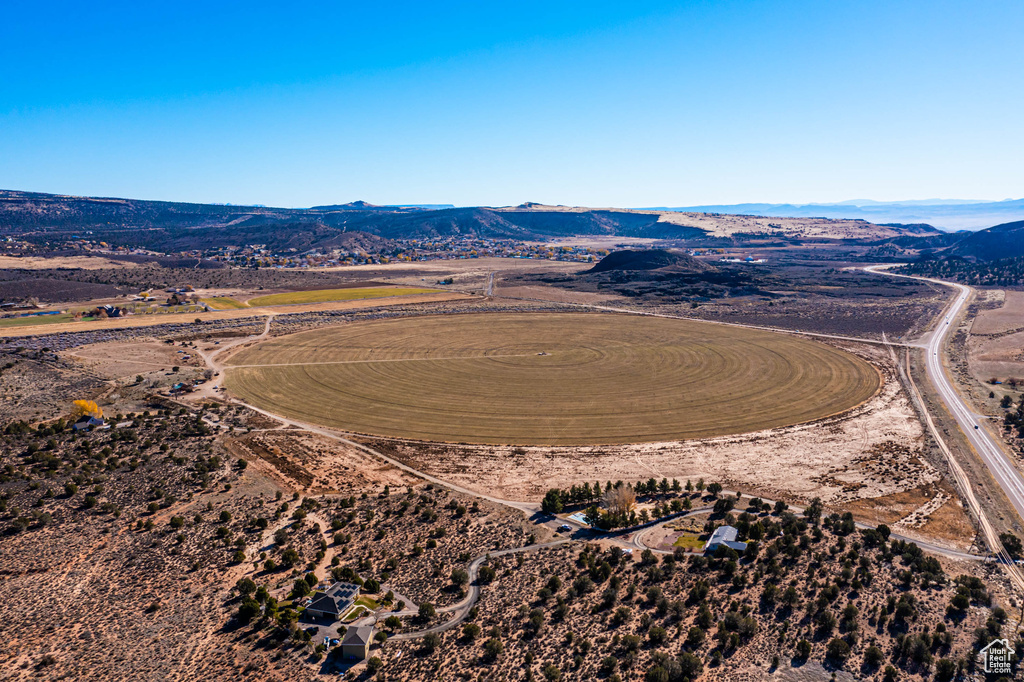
[[724, 536], [333, 603], [356, 643], [87, 422]]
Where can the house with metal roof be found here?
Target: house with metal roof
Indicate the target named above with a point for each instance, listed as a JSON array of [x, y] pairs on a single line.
[[724, 536], [333, 603]]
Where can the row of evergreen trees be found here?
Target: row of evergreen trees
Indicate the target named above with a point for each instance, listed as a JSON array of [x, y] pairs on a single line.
[[556, 499]]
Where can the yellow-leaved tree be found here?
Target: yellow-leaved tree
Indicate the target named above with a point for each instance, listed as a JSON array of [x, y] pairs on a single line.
[[81, 408], [619, 500]]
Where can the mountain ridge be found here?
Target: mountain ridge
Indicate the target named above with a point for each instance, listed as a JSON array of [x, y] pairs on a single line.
[[164, 225]]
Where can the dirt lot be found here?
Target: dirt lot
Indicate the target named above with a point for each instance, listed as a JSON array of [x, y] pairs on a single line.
[[34, 384], [998, 356], [995, 342], [125, 359], [298, 460], [1004, 313]]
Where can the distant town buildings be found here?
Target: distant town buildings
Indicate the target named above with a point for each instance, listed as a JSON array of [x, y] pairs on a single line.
[[407, 251], [749, 260]]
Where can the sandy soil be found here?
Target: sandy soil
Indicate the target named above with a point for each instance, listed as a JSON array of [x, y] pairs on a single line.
[[931, 511], [122, 359], [1008, 317], [297, 460], [1001, 357], [995, 345], [50, 262]]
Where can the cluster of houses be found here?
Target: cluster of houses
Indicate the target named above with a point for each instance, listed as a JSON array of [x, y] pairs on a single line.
[[749, 260], [407, 250]]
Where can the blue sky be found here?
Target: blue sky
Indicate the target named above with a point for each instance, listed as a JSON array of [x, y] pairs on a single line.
[[585, 103]]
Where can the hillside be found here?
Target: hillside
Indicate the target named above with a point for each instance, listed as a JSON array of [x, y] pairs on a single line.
[[992, 257], [173, 226], [651, 259], [1001, 241]]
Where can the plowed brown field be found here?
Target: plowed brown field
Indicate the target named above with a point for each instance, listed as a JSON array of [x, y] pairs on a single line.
[[549, 379]]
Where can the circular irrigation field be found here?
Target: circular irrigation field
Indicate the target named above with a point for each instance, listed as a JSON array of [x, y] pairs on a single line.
[[548, 379]]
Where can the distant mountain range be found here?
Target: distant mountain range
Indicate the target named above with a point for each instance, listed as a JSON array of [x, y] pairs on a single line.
[[946, 214], [174, 227]]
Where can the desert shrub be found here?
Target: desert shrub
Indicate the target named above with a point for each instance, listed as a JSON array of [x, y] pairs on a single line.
[[492, 649], [429, 643], [837, 651]]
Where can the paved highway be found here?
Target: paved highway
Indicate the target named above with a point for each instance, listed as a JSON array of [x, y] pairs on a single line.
[[974, 426]]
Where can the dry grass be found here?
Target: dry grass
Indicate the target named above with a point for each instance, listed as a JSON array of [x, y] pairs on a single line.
[[37, 320], [549, 379], [133, 321], [53, 262], [224, 303], [127, 358], [325, 295], [1008, 317]]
